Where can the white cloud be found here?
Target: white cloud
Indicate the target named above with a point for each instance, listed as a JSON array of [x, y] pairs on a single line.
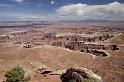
[[20, 1], [111, 11], [6, 5], [26, 17], [52, 2]]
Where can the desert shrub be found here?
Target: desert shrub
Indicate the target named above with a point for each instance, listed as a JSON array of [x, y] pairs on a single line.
[[16, 74], [27, 78]]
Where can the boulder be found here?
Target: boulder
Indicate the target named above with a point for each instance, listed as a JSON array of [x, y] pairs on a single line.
[[58, 72], [79, 75]]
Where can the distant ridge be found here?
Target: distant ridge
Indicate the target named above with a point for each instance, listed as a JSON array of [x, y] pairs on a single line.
[[87, 20], [90, 20]]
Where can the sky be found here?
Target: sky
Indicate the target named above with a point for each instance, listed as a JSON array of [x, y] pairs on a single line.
[[61, 10]]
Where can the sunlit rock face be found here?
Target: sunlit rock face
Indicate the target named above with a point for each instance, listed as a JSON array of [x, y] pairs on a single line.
[[79, 75]]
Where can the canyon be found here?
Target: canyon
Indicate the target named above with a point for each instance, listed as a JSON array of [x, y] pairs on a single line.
[[62, 45]]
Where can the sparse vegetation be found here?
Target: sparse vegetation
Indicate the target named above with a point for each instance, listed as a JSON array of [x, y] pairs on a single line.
[[16, 74]]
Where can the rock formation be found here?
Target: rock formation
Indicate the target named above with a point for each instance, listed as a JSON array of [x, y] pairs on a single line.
[[79, 75]]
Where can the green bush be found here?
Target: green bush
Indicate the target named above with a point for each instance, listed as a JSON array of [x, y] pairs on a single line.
[[27, 78], [16, 74]]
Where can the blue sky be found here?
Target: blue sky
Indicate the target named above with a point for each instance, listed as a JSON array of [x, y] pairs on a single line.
[[56, 10]]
